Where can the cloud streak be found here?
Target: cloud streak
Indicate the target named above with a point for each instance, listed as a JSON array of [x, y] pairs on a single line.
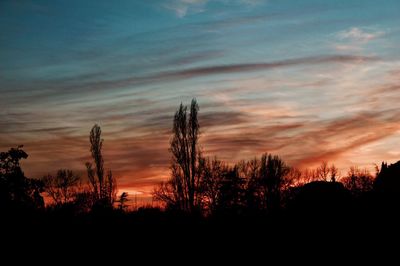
[[70, 87]]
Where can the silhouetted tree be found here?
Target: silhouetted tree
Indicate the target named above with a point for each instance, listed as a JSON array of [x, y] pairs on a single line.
[[62, 187], [9, 161], [183, 189], [309, 175], [231, 192], [103, 187], [292, 180], [211, 181], [123, 199], [323, 171], [334, 171], [168, 193], [273, 170], [110, 187], [293, 177], [387, 183], [251, 170], [358, 181], [84, 200], [16, 190]]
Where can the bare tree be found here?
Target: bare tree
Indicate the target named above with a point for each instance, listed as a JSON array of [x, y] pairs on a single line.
[[62, 187], [103, 187], [183, 189], [169, 192], [358, 181], [250, 170], [293, 177], [308, 175], [323, 171], [334, 171], [213, 174]]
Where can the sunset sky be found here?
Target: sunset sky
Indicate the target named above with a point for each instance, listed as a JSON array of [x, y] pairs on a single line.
[[308, 80]]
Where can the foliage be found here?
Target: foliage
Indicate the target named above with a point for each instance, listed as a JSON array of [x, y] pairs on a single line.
[[16, 190]]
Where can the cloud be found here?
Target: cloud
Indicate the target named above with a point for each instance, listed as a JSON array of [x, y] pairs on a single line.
[[222, 118], [50, 89], [252, 2], [358, 35], [227, 69], [354, 39], [339, 136], [183, 7]]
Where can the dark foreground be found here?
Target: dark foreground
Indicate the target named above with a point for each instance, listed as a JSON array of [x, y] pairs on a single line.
[[354, 232]]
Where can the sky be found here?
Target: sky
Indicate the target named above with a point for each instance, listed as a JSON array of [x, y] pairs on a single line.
[[311, 81]]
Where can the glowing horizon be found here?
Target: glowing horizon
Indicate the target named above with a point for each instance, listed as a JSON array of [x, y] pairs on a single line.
[[309, 81]]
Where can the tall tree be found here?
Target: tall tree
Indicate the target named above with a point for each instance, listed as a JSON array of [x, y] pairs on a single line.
[[183, 189], [103, 187]]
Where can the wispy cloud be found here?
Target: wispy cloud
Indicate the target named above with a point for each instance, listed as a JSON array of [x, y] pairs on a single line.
[[334, 138], [359, 35], [183, 7], [250, 2], [355, 38], [224, 69], [71, 86]]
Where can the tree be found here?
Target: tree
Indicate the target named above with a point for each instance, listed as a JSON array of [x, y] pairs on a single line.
[[123, 198], [211, 181], [323, 171], [358, 181], [62, 187], [387, 185], [9, 161], [334, 173], [293, 177], [183, 188], [103, 187], [273, 170], [231, 191], [309, 175], [16, 190], [250, 170]]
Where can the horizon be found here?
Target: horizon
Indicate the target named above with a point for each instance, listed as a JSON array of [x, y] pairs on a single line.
[[309, 81]]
